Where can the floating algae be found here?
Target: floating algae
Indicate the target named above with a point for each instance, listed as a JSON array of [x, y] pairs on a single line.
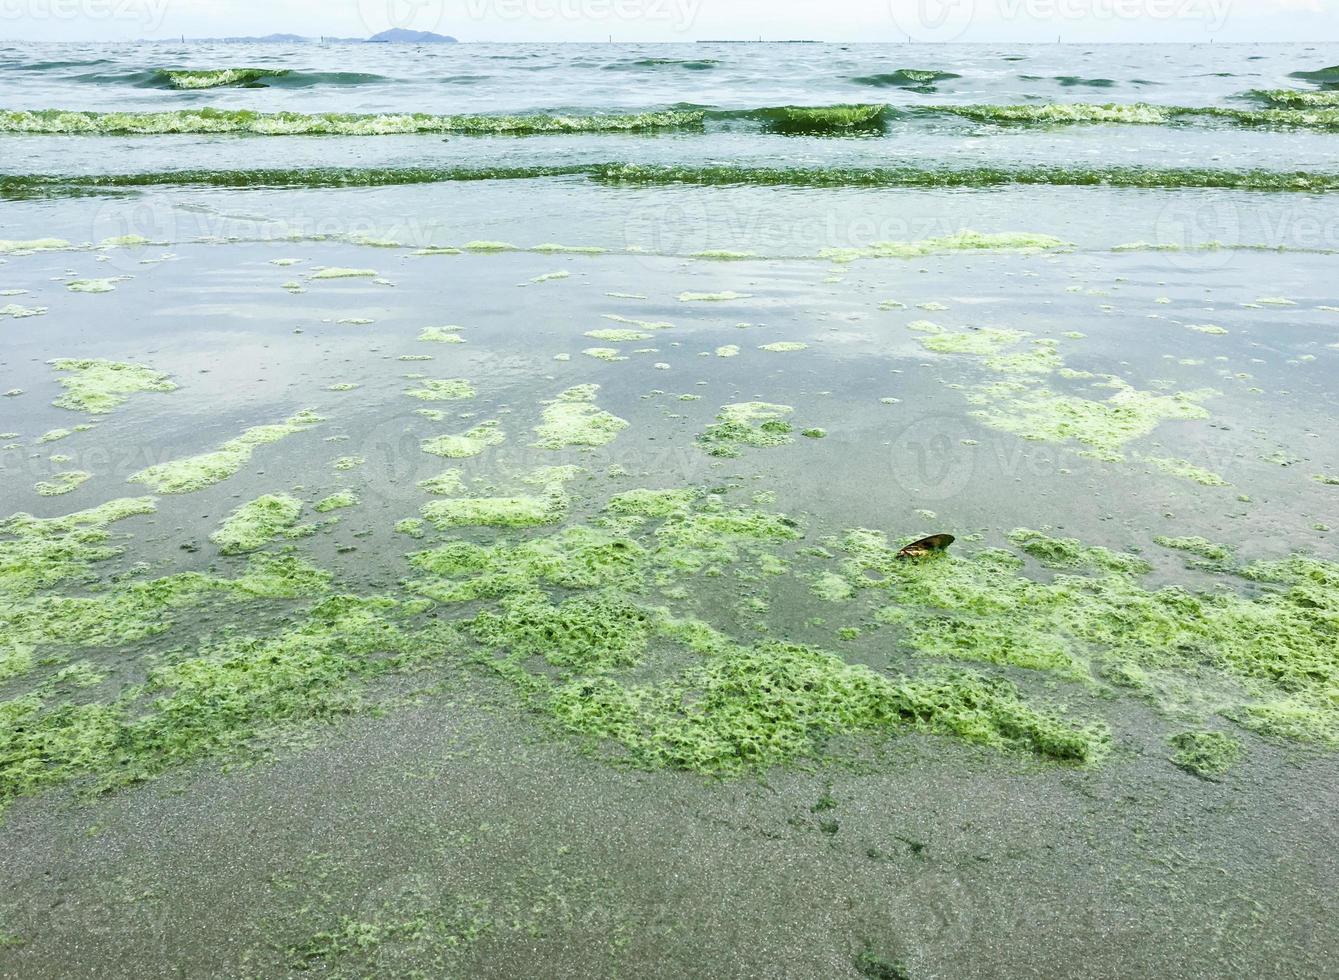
[[197, 472], [711, 297], [516, 511], [783, 346], [443, 485], [21, 312], [1186, 470], [348, 462], [222, 121], [1103, 427], [550, 276], [337, 272], [821, 120], [94, 285], [217, 77], [728, 350], [256, 523], [61, 483], [441, 335], [604, 354], [983, 342], [336, 501], [450, 389], [98, 386], [641, 324], [572, 419], [1207, 328], [467, 444], [1201, 547], [965, 240], [758, 424], [618, 336]]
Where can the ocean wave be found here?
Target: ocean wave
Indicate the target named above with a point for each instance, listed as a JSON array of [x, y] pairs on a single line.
[[917, 78], [1328, 75], [633, 174], [643, 64], [245, 122], [1289, 98], [1287, 110], [818, 120]]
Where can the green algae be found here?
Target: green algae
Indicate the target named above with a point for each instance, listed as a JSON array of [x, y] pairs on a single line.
[[40, 553], [54, 435], [217, 77], [965, 240], [336, 501], [640, 324], [197, 472], [441, 335], [94, 285], [21, 312], [755, 424], [1072, 553], [1196, 545], [604, 354], [618, 336], [728, 350], [783, 346], [449, 389], [1207, 328], [1186, 471], [721, 297], [340, 272], [443, 485], [516, 511], [256, 523], [1102, 427], [467, 444], [573, 420], [216, 701], [98, 386], [61, 483], [347, 462], [822, 120], [243, 121], [654, 503], [1208, 755], [550, 276], [983, 342]]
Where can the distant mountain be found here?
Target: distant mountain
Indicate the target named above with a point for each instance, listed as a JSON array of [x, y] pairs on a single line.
[[398, 35]]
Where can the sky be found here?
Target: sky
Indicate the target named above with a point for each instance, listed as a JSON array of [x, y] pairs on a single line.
[[1075, 21]]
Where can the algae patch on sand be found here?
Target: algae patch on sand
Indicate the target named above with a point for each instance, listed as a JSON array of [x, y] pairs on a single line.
[[197, 472], [98, 386]]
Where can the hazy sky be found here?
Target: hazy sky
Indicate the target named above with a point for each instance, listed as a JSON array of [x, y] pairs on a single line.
[[686, 20]]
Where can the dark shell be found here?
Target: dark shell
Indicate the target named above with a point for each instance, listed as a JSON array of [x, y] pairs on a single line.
[[934, 544]]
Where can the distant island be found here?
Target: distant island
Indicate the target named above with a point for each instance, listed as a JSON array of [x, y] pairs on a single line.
[[396, 35]]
